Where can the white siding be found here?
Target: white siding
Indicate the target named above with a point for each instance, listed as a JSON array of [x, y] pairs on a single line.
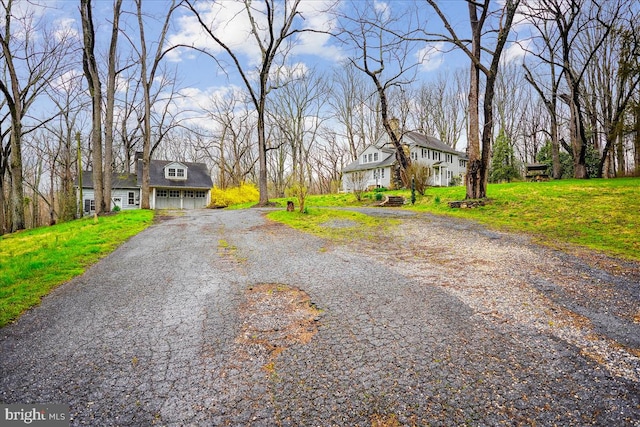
[[120, 197]]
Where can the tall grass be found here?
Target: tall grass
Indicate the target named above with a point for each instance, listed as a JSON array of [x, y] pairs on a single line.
[[33, 262]]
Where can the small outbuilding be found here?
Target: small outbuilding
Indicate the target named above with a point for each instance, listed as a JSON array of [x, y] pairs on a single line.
[[172, 185]]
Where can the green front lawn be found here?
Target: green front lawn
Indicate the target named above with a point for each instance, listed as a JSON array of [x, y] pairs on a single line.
[[599, 214], [32, 262]]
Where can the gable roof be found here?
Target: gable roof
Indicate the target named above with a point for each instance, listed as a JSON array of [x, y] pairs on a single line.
[[197, 175], [412, 139], [118, 180], [387, 160], [425, 141]]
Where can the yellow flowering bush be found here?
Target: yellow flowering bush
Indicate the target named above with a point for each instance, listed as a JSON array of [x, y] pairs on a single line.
[[246, 192]]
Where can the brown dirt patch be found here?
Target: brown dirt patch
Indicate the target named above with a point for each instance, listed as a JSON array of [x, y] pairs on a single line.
[[276, 316]]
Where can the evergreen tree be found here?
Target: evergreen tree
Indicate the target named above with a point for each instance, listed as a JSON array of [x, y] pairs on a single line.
[[566, 161], [503, 162]]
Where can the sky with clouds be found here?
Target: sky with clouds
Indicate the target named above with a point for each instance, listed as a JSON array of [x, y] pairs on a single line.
[[201, 78]]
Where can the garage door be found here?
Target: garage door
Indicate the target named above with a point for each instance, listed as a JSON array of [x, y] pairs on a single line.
[[171, 199]]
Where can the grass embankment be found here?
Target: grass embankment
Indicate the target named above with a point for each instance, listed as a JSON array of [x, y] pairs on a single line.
[[33, 262], [599, 214]]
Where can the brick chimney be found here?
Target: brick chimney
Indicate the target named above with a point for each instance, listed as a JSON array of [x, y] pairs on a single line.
[[136, 159], [394, 123]]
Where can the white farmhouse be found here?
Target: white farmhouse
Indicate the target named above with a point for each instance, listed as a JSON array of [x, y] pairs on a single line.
[[374, 167]]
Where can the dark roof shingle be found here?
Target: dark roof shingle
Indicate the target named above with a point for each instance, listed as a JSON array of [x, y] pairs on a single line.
[[197, 175]]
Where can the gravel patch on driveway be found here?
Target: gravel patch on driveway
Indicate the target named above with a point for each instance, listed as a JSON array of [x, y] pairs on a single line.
[[442, 323]]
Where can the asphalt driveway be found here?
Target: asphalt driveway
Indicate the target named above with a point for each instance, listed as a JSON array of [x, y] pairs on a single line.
[[412, 330]]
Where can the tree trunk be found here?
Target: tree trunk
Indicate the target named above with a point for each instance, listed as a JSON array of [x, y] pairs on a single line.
[[578, 137], [15, 165], [636, 141], [111, 92], [555, 148], [93, 79], [3, 229], [474, 168], [146, 120], [262, 161], [14, 102]]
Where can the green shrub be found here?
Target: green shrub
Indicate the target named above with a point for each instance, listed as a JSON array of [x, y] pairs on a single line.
[[246, 192]]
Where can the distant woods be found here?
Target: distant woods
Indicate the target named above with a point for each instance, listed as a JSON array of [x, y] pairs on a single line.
[[512, 82]]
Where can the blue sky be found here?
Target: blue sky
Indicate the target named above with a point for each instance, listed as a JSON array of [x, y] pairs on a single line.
[[200, 78]]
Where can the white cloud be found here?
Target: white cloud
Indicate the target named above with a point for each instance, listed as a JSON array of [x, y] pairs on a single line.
[[65, 28], [431, 57], [383, 9], [229, 21], [289, 72], [192, 104], [515, 52], [226, 20], [68, 81]]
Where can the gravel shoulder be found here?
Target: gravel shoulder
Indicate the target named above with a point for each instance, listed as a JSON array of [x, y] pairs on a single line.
[[224, 318]]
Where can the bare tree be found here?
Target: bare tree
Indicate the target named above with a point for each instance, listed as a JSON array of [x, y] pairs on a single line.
[[355, 107], [612, 79], [235, 154], [110, 96], [147, 77], [5, 149], [29, 64], [566, 23], [92, 75], [328, 159], [68, 95], [544, 48], [272, 26], [479, 14], [297, 111], [128, 128], [357, 181], [439, 108], [373, 33]]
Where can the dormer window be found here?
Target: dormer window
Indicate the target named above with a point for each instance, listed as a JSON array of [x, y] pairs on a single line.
[[175, 171]]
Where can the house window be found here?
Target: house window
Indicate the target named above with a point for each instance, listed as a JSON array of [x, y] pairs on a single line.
[[188, 194], [201, 194], [429, 154], [89, 205], [175, 194], [375, 157], [370, 158], [131, 199], [175, 172], [161, 193]]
